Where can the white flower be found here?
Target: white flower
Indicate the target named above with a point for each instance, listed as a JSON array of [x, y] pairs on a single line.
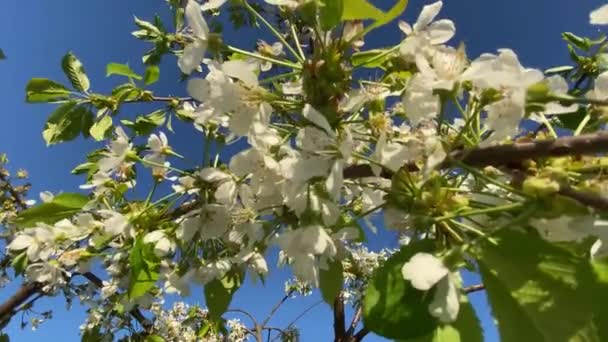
[[115, 223], [113, 159], [214, 270], [194, 52], [425, 32], [273, 50], [47, 273], [599, 16], [419, 102], [38, 242], [186, 184], [425, 271], [292, 87], [212, 4], [600, 89], [163, 246], [558, 86], [46, 196], [302, 246], [445, 67]]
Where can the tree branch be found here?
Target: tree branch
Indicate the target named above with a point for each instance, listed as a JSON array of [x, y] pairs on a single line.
[[354, 322], [360, 335], [9, 307], [473, 288], [513, 155], [339, 333]]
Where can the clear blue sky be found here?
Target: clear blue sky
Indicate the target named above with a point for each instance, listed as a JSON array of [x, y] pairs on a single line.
[[35, 35]]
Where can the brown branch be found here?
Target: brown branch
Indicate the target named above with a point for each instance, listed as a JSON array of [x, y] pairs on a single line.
[[9, 307], [354, 322], [514, 154], [590, 199], [473, 288], [519, 151], [339, 332], [359, 335]]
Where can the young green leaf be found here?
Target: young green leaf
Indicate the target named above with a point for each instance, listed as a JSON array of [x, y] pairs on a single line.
[[219, 292], [330, 13], [74, 70], [144, 269], [331, 281], [145, 124], [39, 90], [122, 70], [152, 74], [62, 206], [100, 128], [392, 307], [66, 123], [466, 328], [531, 285]]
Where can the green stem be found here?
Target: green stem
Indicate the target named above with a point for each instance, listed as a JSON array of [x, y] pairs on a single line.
[[278, 77], [378, 57], [548, 125], [582, 124], [273, 30], [493, 210], [263, 58], [490, 180], [149, 198], [297, 41], [168, 167], [467, 227]]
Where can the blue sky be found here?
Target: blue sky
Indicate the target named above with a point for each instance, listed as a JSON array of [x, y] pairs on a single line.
[[35, 35]]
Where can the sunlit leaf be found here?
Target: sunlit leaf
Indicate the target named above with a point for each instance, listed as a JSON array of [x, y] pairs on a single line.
[[74, 70]]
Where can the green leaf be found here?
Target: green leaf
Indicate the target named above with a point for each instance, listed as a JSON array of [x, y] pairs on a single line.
[[62, 206], [147, 26], [362, 9], [219, 292], [392, 307], [330, 281], [145, 124], [330, 13], [100, 128], [154, 338], [66, 123], [597, 290], [92, 335], [534, 290], [40, 90], [122, 70], [577, 41], [466, 328], [144, 269], [152, 74], [74, 70], [371, 58], [19, 263]]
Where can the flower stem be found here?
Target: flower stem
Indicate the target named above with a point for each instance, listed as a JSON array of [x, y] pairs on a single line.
[[273, 30], [264, 58]]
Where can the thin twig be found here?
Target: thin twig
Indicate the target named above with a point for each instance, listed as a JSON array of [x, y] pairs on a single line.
[[473, 288]]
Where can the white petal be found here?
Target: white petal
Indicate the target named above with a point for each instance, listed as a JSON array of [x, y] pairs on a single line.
[[242, 71], [424, 271], [199, 89], [428, 13], [318, 119], [445, 304], [335, 180], [194, 18], [154, 236], [441, 31], [212, 4], [212, 175], [163, 247], [192, 56], [21, 242], [599, 16]]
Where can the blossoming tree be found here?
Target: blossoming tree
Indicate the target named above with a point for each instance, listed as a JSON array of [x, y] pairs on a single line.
[[477, 163]]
